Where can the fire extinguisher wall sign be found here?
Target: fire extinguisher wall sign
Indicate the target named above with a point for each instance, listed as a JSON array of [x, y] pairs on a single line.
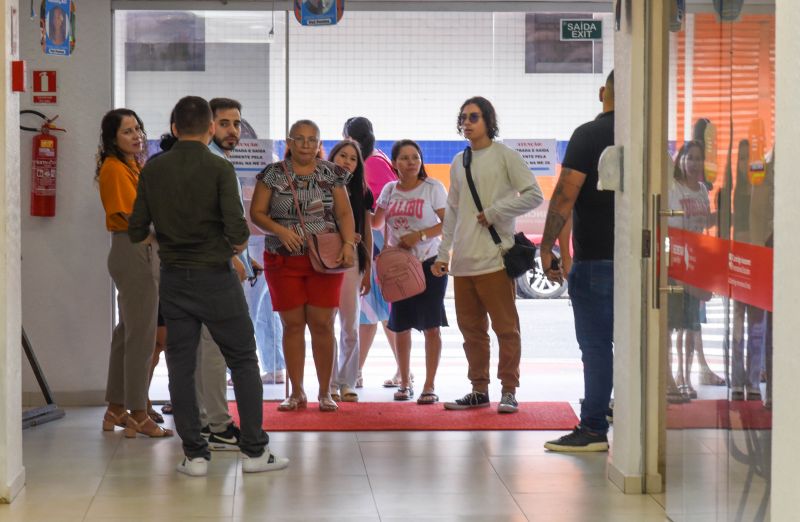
[[43, 177]]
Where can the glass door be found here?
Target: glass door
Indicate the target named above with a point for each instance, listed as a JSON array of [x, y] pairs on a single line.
[[717, 236]]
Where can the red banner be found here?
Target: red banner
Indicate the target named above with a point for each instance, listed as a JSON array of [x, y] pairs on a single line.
[[732, 269]]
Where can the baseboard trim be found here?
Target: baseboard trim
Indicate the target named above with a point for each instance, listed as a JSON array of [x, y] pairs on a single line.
[[10, 492], [628, 484], [65, 398]]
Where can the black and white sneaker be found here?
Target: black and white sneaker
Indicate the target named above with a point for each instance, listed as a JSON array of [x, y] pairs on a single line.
[[579, 440], [227, 440], [508, 404], [471, 400]]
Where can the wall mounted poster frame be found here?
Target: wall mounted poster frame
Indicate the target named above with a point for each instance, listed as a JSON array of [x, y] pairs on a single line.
[[318, 12]]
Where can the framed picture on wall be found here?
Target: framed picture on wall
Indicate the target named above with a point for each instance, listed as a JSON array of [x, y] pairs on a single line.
[[165, 41], [546, 52]]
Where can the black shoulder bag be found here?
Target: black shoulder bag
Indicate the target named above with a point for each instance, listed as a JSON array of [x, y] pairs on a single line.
[[521, 257]]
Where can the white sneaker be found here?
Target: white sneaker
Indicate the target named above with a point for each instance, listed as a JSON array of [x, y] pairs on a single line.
[[196, 467], [266, 462]]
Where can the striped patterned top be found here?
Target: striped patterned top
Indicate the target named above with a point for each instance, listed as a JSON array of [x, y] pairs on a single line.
[[314, 193]]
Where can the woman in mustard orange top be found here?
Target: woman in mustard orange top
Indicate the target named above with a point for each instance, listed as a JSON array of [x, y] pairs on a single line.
[[119, 160]]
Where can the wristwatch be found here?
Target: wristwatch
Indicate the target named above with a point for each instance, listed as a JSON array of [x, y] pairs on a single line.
[[422, 235]]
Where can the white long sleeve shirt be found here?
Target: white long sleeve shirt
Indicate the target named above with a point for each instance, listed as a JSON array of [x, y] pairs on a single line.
[[507, 189]]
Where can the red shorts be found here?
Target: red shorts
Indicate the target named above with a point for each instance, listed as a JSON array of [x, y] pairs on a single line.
[[293, 282]]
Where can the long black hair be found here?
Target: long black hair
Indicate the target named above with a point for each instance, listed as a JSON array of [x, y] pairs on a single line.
[[360, 129], [679, 172], [357, 191], [108, 147]]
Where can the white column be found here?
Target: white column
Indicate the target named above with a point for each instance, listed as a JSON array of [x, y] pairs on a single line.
[[12, 473], [786, 300], [641, 48]]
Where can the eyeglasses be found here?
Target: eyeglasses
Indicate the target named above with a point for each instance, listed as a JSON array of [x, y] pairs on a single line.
[[473, 117], [302, 140]]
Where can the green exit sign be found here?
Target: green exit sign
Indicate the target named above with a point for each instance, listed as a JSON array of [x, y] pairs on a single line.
[[581, 30]]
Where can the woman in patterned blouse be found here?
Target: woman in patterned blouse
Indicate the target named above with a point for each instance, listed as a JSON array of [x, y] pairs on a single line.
[[302, 296]]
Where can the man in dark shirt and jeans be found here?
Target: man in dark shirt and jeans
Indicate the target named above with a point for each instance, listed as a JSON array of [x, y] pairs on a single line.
[[591, 279], [190, 195]]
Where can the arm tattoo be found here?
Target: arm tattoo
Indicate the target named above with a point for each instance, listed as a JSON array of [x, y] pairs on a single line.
[[565, 193], [555, 222]]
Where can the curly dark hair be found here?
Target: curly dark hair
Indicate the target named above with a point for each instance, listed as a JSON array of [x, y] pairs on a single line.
[[487, 113], [108, 138], [396, 152]]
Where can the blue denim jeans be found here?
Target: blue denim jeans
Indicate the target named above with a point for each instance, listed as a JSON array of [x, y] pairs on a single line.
[[267, 324], [591, 290]]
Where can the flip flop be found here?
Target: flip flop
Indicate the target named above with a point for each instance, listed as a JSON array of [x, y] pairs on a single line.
[[404, 394], [427, 398]]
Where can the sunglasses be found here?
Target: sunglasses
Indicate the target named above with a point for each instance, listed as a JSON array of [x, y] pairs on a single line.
[[473, 117]]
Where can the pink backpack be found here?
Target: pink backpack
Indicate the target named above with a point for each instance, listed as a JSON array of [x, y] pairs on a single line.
[[399, 274]]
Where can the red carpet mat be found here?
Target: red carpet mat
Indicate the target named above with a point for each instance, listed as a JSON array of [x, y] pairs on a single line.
[[719, 414], [408, 416]]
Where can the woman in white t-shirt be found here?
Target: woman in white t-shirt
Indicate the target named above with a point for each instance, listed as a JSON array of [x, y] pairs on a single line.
[[412, 209], [689, 195]]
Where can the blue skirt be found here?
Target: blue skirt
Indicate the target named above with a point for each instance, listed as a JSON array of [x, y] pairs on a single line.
[[423, 311], [374, 308]]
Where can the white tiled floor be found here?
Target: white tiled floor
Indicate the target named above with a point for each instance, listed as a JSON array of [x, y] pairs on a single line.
[[76, 472]]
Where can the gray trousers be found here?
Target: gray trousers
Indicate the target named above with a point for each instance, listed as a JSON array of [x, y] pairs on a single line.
[[134, 337], [210, 379], [214, 298]]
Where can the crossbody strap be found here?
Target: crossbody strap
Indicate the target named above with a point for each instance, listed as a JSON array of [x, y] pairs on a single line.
[[467, 160], [296, 200]]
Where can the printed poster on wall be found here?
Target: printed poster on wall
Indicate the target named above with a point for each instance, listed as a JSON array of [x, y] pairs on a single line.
[[318, 12], [540, 155], [249, 158], [57, 21]]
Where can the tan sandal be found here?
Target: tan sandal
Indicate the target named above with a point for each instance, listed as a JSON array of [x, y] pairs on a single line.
[[293, 404], [327, 404], [110, 420], [146, 427], [349, 394]]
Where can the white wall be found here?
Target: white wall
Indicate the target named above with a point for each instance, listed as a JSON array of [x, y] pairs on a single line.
[[12, 473], [410, 72], [407, 72], [786, 364], [66, 290], [237, 66]]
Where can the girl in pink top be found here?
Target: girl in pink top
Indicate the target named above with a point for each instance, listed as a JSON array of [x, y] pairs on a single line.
[[378, 172]]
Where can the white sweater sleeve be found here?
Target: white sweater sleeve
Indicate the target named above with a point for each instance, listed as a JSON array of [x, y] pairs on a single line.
[[450, 216], [528, 197]]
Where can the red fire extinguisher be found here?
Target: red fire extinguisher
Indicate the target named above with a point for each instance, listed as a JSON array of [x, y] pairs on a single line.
[[43, 167]]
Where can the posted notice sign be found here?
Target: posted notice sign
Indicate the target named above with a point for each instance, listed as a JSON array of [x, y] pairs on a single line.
[[251, 156], [44, 88], [581, 30], [540, 155]]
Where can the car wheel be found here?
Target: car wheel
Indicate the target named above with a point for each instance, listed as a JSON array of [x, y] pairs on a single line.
[[534, 285]]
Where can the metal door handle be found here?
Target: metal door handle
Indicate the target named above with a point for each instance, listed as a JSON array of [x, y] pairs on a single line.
[[671, 213], [671, 289]]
